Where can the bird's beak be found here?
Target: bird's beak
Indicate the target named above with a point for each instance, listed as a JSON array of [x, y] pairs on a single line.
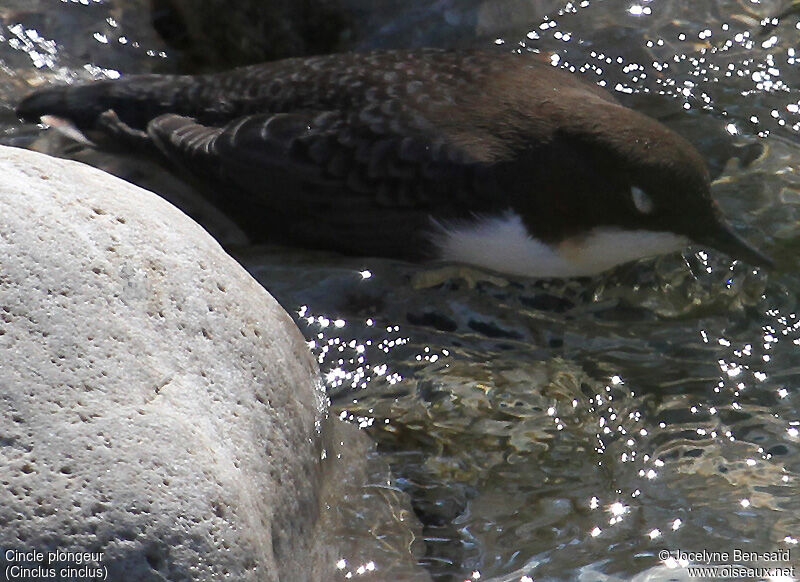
[[724, 239]]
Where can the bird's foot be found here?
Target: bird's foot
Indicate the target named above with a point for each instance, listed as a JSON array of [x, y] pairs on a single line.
[[110, 124]]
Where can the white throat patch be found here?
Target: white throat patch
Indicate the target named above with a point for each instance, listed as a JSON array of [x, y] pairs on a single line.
[[502, 243]]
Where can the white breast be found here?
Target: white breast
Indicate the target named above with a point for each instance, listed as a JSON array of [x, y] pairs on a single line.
[[502, 243]]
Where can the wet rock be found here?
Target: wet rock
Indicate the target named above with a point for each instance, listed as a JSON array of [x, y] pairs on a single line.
[[249, 32], [256, 31]]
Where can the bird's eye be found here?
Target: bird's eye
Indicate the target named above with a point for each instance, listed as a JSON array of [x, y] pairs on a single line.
[[642, 200]]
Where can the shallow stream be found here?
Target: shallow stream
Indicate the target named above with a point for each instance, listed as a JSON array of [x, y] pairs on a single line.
[[560, 430]]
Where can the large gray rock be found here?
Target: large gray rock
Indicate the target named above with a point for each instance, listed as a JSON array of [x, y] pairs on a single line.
[[156, 404]]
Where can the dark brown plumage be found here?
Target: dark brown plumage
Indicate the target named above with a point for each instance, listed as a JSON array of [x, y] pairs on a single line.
[[365, 153]]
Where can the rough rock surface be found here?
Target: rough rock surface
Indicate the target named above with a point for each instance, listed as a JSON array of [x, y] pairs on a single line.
[[156, 404]]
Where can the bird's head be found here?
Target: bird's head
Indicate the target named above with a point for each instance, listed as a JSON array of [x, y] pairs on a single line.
[[621, 186], [664, 186]]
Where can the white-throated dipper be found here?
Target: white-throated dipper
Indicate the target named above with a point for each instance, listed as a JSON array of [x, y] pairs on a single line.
[[496, 160]]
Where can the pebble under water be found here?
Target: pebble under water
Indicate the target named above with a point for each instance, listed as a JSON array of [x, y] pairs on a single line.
[[556, 430]]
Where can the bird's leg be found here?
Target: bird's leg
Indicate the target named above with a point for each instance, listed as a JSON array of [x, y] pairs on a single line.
[[110, 124]]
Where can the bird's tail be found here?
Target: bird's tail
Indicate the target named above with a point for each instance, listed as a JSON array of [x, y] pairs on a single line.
[[135, 100], [80, 104]]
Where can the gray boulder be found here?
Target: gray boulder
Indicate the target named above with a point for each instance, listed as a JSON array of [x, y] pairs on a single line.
[[156, 404]]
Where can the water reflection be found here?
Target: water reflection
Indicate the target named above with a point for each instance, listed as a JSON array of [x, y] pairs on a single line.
[[637, 441]]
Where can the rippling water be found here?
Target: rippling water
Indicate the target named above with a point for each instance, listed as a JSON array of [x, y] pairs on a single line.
[[558, 430]]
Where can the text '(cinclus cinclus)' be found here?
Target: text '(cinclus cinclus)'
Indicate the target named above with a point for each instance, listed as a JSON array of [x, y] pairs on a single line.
[[496, 160]]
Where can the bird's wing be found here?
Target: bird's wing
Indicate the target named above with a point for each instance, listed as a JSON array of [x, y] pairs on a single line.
[[350, 184], [351, 159]]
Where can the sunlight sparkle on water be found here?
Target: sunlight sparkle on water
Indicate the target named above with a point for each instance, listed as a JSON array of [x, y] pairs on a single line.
[[639, 10], [617, 509]]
